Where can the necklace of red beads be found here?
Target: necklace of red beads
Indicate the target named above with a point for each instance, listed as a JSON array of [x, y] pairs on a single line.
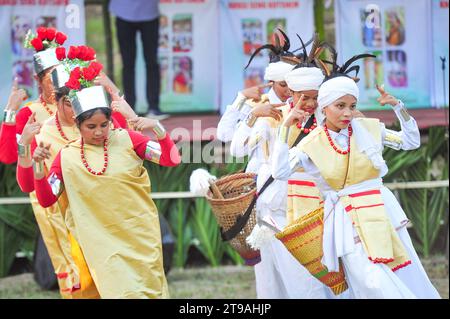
[[58, 126], [302, 129], [44, 104], [307, 130], [350, 132], [105, 158]]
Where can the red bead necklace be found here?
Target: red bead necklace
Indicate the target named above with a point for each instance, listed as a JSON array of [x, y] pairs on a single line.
[[350, 132], [44, 104], [105, 158], [307, 130], [58, 126], [299, 125]]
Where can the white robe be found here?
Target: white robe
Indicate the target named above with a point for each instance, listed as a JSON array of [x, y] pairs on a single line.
[[230, 119], [366, 279], [279, 275]]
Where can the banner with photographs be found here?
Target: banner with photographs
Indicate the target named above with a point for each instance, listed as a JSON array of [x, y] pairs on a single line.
[[440, 50], [188, 57], [397, 33], [15, 20], [249, 24]]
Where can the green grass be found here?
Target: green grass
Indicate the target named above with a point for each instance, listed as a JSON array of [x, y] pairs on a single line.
[[228, 282]]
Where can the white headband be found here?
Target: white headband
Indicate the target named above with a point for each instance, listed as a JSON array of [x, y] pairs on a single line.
[[277, 71], [332, 90], [336, 88], [304, 79]]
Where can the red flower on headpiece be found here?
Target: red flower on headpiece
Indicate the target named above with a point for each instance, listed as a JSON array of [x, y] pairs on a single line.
[[89, 73], [73, 83], [76, 73], [90, 54], [82, 52], [42, 33], [37, 44], [97, 67], [51, 32], [60, 53], [73, 52], [60, 38]]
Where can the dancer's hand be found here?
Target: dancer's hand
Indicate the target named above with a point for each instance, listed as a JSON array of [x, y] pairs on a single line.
[[296, 114], [118, 104], [267, 110], [385, 97], [143, 123], [255, 92], [16, 97], [103, 80], [30, 130], [42, 152]]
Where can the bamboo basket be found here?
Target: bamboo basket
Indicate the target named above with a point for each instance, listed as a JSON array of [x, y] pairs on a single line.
[[304, 240], [229, 197]]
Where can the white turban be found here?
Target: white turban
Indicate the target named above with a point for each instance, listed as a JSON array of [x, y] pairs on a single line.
[[336, 88], [304, 79], [332, 90], [276, 71]]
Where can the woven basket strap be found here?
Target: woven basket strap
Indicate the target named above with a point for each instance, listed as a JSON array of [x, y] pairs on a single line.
[[242, 220]]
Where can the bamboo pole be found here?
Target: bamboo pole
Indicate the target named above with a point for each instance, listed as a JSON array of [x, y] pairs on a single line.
[[319, 20]]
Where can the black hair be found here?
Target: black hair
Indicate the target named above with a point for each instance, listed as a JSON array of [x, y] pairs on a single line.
[[41, 75], [61, 92], [88, 114], [44, 72]]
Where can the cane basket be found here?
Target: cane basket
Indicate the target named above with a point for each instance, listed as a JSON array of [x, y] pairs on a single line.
[[238, 191], [304, 240]]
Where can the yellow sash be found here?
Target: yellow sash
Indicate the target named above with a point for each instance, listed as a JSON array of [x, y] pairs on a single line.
[[379, 238], [114, 219], [73, 276], [303, 198], [303, 195]]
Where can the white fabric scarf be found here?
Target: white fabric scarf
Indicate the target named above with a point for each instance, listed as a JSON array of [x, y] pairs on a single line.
[[304, 79], [276, 71], [336, 88]]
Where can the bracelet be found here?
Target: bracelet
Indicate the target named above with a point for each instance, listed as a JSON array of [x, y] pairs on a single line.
[[283, 133], [240, 101], [24, 151], [159, 130], [130, 125], [405, 115], [403, 112], [9, 117], [250, 120], [38, 167]]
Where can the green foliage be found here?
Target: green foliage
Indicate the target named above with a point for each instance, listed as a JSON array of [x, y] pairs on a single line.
[[207, 232], [17, 223], [426, 208], [192, 221], [193, 224]]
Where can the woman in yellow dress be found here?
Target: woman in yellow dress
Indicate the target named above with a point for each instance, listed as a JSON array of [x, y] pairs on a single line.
[[46, 43], [72, 273], [113, 217]]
